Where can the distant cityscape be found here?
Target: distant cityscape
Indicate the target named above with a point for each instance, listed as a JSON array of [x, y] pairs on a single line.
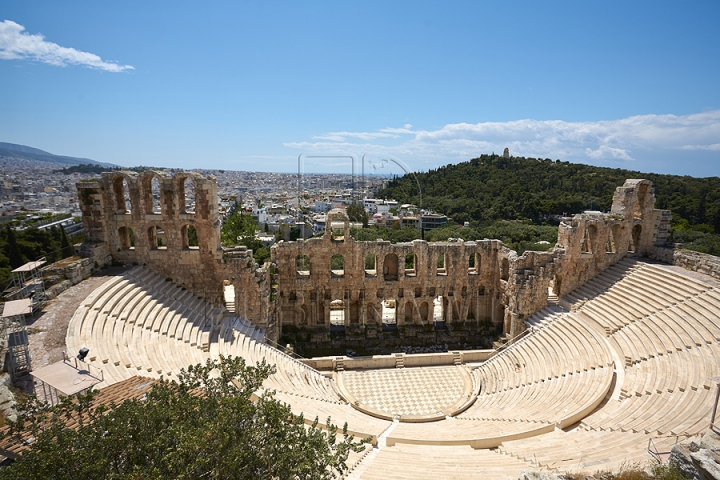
[[38, 194]]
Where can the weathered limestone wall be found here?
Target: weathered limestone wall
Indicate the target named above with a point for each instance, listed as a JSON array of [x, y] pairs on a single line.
[[305, 296], [588, 243], [689, 260], [504, 288], [391, 361], [128, 228], [61, 275], [476, 281]]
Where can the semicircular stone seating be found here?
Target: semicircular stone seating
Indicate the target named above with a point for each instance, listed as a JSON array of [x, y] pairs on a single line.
[[587, 388]]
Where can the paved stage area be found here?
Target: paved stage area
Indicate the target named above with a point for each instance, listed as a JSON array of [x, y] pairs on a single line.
[[408, 391]]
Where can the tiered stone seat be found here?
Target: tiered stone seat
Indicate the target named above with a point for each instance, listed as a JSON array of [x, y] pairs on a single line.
[[430, 461], [521, 395], [579, 450], [294, 378], [359, 424], [472, 432], [670, 349], [584, 390], [544, 317], [669, 394], [122, 321]]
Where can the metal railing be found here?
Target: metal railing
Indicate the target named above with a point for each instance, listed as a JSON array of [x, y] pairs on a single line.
[[75, 363], [653, 450]]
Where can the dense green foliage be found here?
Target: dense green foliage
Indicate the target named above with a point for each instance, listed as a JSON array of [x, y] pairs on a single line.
[[519, 236], [697, 238], [205, 426], [240, 229], [357, 213], [86, 168], [337, 262], [22, 246], [492, 187], [394, 235]]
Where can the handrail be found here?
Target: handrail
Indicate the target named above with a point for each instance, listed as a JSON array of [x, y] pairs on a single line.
[[511, 342], [279, 347], [653, 451], [66, 359]]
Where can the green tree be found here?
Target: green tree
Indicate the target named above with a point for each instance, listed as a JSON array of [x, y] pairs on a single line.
[[192, 236], [205, 426], [240, 229], [357, 213], [13, 251], [65, 244]]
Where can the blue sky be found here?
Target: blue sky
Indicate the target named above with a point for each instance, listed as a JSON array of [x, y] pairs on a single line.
[[252, 85]]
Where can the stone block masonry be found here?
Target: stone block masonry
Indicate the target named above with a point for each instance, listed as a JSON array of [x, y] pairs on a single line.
[[334, 280], [149, 218]]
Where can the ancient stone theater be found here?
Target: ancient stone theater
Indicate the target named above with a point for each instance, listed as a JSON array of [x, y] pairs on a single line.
[[612, 336]]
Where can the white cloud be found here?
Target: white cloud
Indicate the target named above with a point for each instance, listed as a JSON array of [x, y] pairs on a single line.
[[635, 142], [340, 136], [16, 43], [715, 147], [607, 152]]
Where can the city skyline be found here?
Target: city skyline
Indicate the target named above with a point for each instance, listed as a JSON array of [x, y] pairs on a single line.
[[253, 86]]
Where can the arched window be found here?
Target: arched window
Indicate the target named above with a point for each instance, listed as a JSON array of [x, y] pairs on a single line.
[[610, 246], [121, 189], [337, 313], [302, 265], [189, 237], [505, 270], [354, 313], [186, 195], [441, 269], [156, 238], [127, 238], [304, 315], [408, 312], [438, 310], [370, 265], [424, 310], [410, 268], [153, 196], [389, 312], [585, 242], [590, 239], [635, 239], [390, 267], [473, 263], [337, 265]]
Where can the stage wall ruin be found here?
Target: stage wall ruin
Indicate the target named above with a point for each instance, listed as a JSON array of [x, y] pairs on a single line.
[[334, 280]]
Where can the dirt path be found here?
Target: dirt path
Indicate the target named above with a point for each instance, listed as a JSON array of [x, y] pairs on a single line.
[[47, 330]]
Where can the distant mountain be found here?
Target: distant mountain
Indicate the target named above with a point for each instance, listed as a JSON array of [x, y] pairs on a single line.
[[30, 153]]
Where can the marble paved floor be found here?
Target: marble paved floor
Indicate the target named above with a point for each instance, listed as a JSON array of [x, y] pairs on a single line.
[[407, 391]]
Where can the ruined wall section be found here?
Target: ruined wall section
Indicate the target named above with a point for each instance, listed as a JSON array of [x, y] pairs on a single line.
[[468, 293], [527, 289], [475, 281], [127, 223], [593, 241], [588, 243]]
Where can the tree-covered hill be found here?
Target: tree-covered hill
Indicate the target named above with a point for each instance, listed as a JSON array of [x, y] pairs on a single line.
[[492, 187]]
